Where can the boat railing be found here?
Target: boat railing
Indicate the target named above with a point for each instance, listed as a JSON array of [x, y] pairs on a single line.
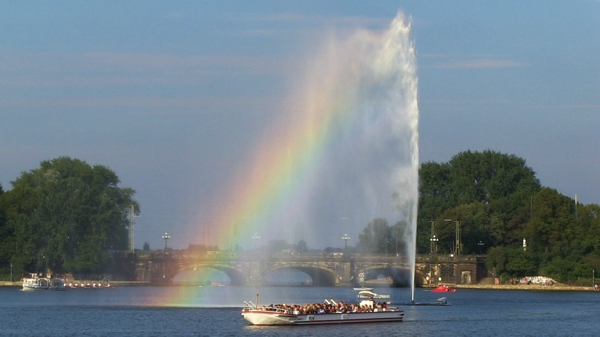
[[250, 305], [329, 301]]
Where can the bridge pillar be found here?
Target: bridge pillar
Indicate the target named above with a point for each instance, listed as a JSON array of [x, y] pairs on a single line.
[[255, 271], [345, 273]]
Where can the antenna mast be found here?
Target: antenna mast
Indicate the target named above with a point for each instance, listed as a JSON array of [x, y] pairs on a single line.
[[131, 228]]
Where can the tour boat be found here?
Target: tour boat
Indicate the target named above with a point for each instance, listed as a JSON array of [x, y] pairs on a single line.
[[315, 314], [443, 289], [40, 283]]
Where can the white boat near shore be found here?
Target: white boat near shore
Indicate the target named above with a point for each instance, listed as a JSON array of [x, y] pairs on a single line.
[[42, 283], [328, 312]]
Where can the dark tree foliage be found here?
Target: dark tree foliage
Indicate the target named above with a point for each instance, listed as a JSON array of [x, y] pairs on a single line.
[[65, 216], [379, 238], [484, 191], [497, 202], [276, 246], [7, 241], [301, 247]]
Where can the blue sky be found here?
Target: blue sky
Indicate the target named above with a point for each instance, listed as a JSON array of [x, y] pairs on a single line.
[[171, 95]]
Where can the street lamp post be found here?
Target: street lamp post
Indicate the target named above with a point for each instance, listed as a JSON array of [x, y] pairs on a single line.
[[255, 237], [166, 237], [480, 245], [345, 238], [433, 240], [458, 243]]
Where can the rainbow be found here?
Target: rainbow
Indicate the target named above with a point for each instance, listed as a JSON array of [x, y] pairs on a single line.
[[277, 181], [278, 172]]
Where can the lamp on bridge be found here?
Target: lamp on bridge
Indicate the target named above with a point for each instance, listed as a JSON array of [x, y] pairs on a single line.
[[166, 237], [345, 238], [434, 241], [480, 244], [255, 237]]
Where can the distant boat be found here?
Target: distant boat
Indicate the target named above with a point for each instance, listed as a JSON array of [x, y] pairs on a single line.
[[370, 294], [443, 289], [363, 288], [41, 283]]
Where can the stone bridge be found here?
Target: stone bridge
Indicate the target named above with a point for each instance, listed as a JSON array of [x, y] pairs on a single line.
[[324, 270]]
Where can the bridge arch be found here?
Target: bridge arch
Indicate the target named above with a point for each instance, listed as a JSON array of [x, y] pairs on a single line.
[[397, 276], [321, 277], [237, 277], [161, 268]]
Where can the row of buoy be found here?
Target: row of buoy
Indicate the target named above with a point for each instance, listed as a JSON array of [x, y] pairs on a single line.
[[87, 286]]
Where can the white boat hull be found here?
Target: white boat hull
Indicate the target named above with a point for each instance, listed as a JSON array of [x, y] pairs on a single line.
[[264, 317], [39, 284]]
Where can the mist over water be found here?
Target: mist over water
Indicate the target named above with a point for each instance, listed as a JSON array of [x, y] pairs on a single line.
[[343, 152], [364, 89]]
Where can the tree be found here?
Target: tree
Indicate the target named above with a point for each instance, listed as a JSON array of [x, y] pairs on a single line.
[[374, 238], [489, 176], [276, 246], [301, 247], [434, 189], [521, 263], [67, 216], [496, 260], [7, 239], [488, 192], [399, 235]]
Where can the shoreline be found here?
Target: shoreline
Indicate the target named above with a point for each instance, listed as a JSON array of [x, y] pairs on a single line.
[[532, 287], [19, 284]]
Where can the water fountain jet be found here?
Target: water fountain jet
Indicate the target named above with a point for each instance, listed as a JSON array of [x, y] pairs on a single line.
[[347, 148]]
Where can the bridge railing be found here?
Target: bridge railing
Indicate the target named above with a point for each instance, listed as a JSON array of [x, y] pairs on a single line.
[[226, 256]]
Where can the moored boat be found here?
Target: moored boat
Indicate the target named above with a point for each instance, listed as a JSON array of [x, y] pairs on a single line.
[[42, 283], [328, 312]]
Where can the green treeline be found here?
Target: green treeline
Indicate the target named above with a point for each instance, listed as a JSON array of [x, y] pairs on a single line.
[[500, 207], [66, 216], [63, 217]]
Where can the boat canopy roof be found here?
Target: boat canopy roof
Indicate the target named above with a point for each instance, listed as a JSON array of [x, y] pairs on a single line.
[[369, 294]]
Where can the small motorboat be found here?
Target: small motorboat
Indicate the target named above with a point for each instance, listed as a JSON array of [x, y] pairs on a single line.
[[370, 294], [443, 289], [363, 288]]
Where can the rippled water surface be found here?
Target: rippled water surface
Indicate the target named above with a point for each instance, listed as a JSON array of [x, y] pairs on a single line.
[[215, 311]]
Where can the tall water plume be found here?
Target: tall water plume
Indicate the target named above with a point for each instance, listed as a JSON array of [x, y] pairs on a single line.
[[344, 152], [359, 109]]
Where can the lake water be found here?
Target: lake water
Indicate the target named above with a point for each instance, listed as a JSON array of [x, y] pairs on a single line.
[[215, 311]]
